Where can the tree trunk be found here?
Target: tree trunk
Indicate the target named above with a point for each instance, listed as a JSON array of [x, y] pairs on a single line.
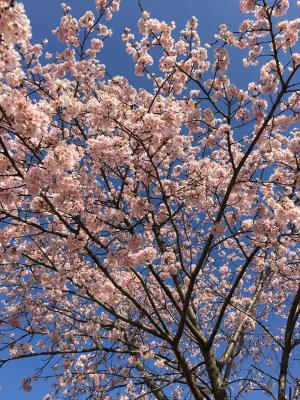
[[215, 377]]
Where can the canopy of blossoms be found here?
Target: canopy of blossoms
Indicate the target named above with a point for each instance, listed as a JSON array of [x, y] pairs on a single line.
[[149, 239]]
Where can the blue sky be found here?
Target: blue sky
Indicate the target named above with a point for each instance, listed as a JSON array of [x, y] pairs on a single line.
[[45, 15]]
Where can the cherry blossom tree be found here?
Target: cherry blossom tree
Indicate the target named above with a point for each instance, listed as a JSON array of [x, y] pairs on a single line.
[[150, 238]]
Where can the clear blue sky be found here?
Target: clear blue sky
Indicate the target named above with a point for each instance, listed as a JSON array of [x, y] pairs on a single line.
[[45, 15]]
